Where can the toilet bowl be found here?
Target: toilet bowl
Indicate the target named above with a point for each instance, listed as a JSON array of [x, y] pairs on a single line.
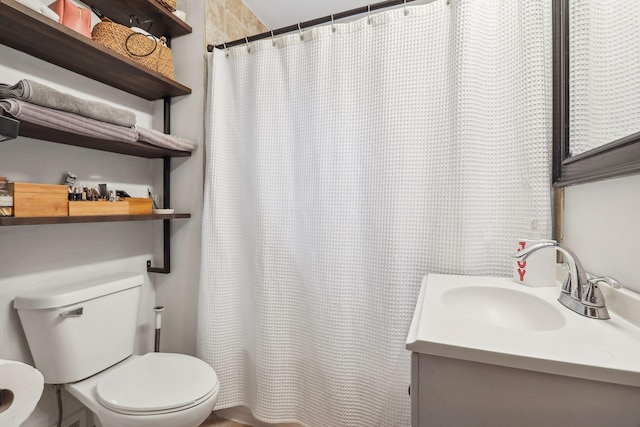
[[157, 389], [82, 335]]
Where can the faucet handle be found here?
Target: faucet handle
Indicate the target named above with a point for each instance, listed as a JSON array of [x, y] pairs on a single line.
[[592, 295], [607, 279]]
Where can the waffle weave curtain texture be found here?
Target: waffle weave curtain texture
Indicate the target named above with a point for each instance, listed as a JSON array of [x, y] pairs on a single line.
[[344, 166]]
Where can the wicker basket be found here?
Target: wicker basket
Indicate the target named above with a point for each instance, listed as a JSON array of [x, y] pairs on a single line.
[[138, 47], [169, 4]]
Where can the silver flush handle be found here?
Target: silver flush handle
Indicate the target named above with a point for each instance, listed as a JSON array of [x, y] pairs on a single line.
[[73, 313]]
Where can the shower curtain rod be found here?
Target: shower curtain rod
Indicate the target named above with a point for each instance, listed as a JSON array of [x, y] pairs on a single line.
[[302, 25]]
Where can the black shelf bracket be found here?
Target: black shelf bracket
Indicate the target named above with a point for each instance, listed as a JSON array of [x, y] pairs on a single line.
[[166, 199]]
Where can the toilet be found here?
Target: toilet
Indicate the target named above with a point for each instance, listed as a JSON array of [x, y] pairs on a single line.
[[82, 335]]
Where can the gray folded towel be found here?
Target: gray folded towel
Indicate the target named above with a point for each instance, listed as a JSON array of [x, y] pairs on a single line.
[[67, 122], [163, 140], [39, 94]]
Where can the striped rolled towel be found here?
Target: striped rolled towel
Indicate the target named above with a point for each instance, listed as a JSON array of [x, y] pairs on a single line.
[[67, 122], [164, 140]]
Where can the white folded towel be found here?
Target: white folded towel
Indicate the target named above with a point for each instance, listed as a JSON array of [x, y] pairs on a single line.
[[41, 8]]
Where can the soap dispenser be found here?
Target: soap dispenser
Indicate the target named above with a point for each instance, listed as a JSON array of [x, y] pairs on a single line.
[[539, 269]]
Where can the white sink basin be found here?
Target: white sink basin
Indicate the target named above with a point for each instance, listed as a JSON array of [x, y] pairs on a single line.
[[496, 321], [505, 308]]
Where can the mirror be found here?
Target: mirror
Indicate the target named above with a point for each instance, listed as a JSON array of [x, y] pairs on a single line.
[[596, 90]]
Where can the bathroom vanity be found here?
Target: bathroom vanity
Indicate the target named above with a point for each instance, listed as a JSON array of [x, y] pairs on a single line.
[[490, 352]]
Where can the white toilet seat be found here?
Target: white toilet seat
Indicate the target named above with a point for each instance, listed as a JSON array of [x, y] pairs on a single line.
[[157, 383]]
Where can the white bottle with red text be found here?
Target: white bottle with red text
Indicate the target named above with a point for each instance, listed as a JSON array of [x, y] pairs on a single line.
[[539, 269]]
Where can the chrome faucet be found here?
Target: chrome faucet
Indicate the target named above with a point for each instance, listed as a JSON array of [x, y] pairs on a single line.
[[580, 291]]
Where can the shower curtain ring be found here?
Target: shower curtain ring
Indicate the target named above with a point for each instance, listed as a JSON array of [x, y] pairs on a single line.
[[369, 14], [246, 40], [300, 31], [406, 12], [226, 50], [273, 41], [333, 24]]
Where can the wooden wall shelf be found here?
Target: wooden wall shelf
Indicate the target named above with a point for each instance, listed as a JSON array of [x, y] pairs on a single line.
[[10, 221], [138, 149], [164, 22], [29, 32]]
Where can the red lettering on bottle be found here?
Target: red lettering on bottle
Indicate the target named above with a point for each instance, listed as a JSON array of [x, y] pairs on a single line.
[[521, 273], [522, 264]]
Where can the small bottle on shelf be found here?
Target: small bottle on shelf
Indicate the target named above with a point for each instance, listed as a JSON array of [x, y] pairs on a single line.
[[6, 199]]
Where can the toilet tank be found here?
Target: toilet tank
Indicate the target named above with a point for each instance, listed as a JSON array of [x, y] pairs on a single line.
[[78, 329]]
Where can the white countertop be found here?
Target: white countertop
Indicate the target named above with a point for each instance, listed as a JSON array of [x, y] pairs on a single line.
[[601, 350]]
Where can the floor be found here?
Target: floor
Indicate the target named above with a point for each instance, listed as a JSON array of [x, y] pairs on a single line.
[[214, 421]]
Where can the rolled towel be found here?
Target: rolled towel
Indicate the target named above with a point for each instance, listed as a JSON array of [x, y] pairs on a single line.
[[39, 94], [163, 140], [41, 8], [67, 122]]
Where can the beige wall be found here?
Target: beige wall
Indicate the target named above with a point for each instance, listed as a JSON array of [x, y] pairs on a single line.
[[229, 20]]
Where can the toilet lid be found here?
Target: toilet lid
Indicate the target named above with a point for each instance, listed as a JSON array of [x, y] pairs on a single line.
[[157, 382]]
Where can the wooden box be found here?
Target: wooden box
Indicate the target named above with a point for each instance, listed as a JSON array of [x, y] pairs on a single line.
[[85, 208], [139, 205], [37, 200]]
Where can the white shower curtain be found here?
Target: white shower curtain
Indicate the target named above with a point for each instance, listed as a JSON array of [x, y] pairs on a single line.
[[605, 95], [344, 166]]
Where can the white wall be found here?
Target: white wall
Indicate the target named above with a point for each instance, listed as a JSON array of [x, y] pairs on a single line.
[[179, 290], [601, 226], [37, 256]]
